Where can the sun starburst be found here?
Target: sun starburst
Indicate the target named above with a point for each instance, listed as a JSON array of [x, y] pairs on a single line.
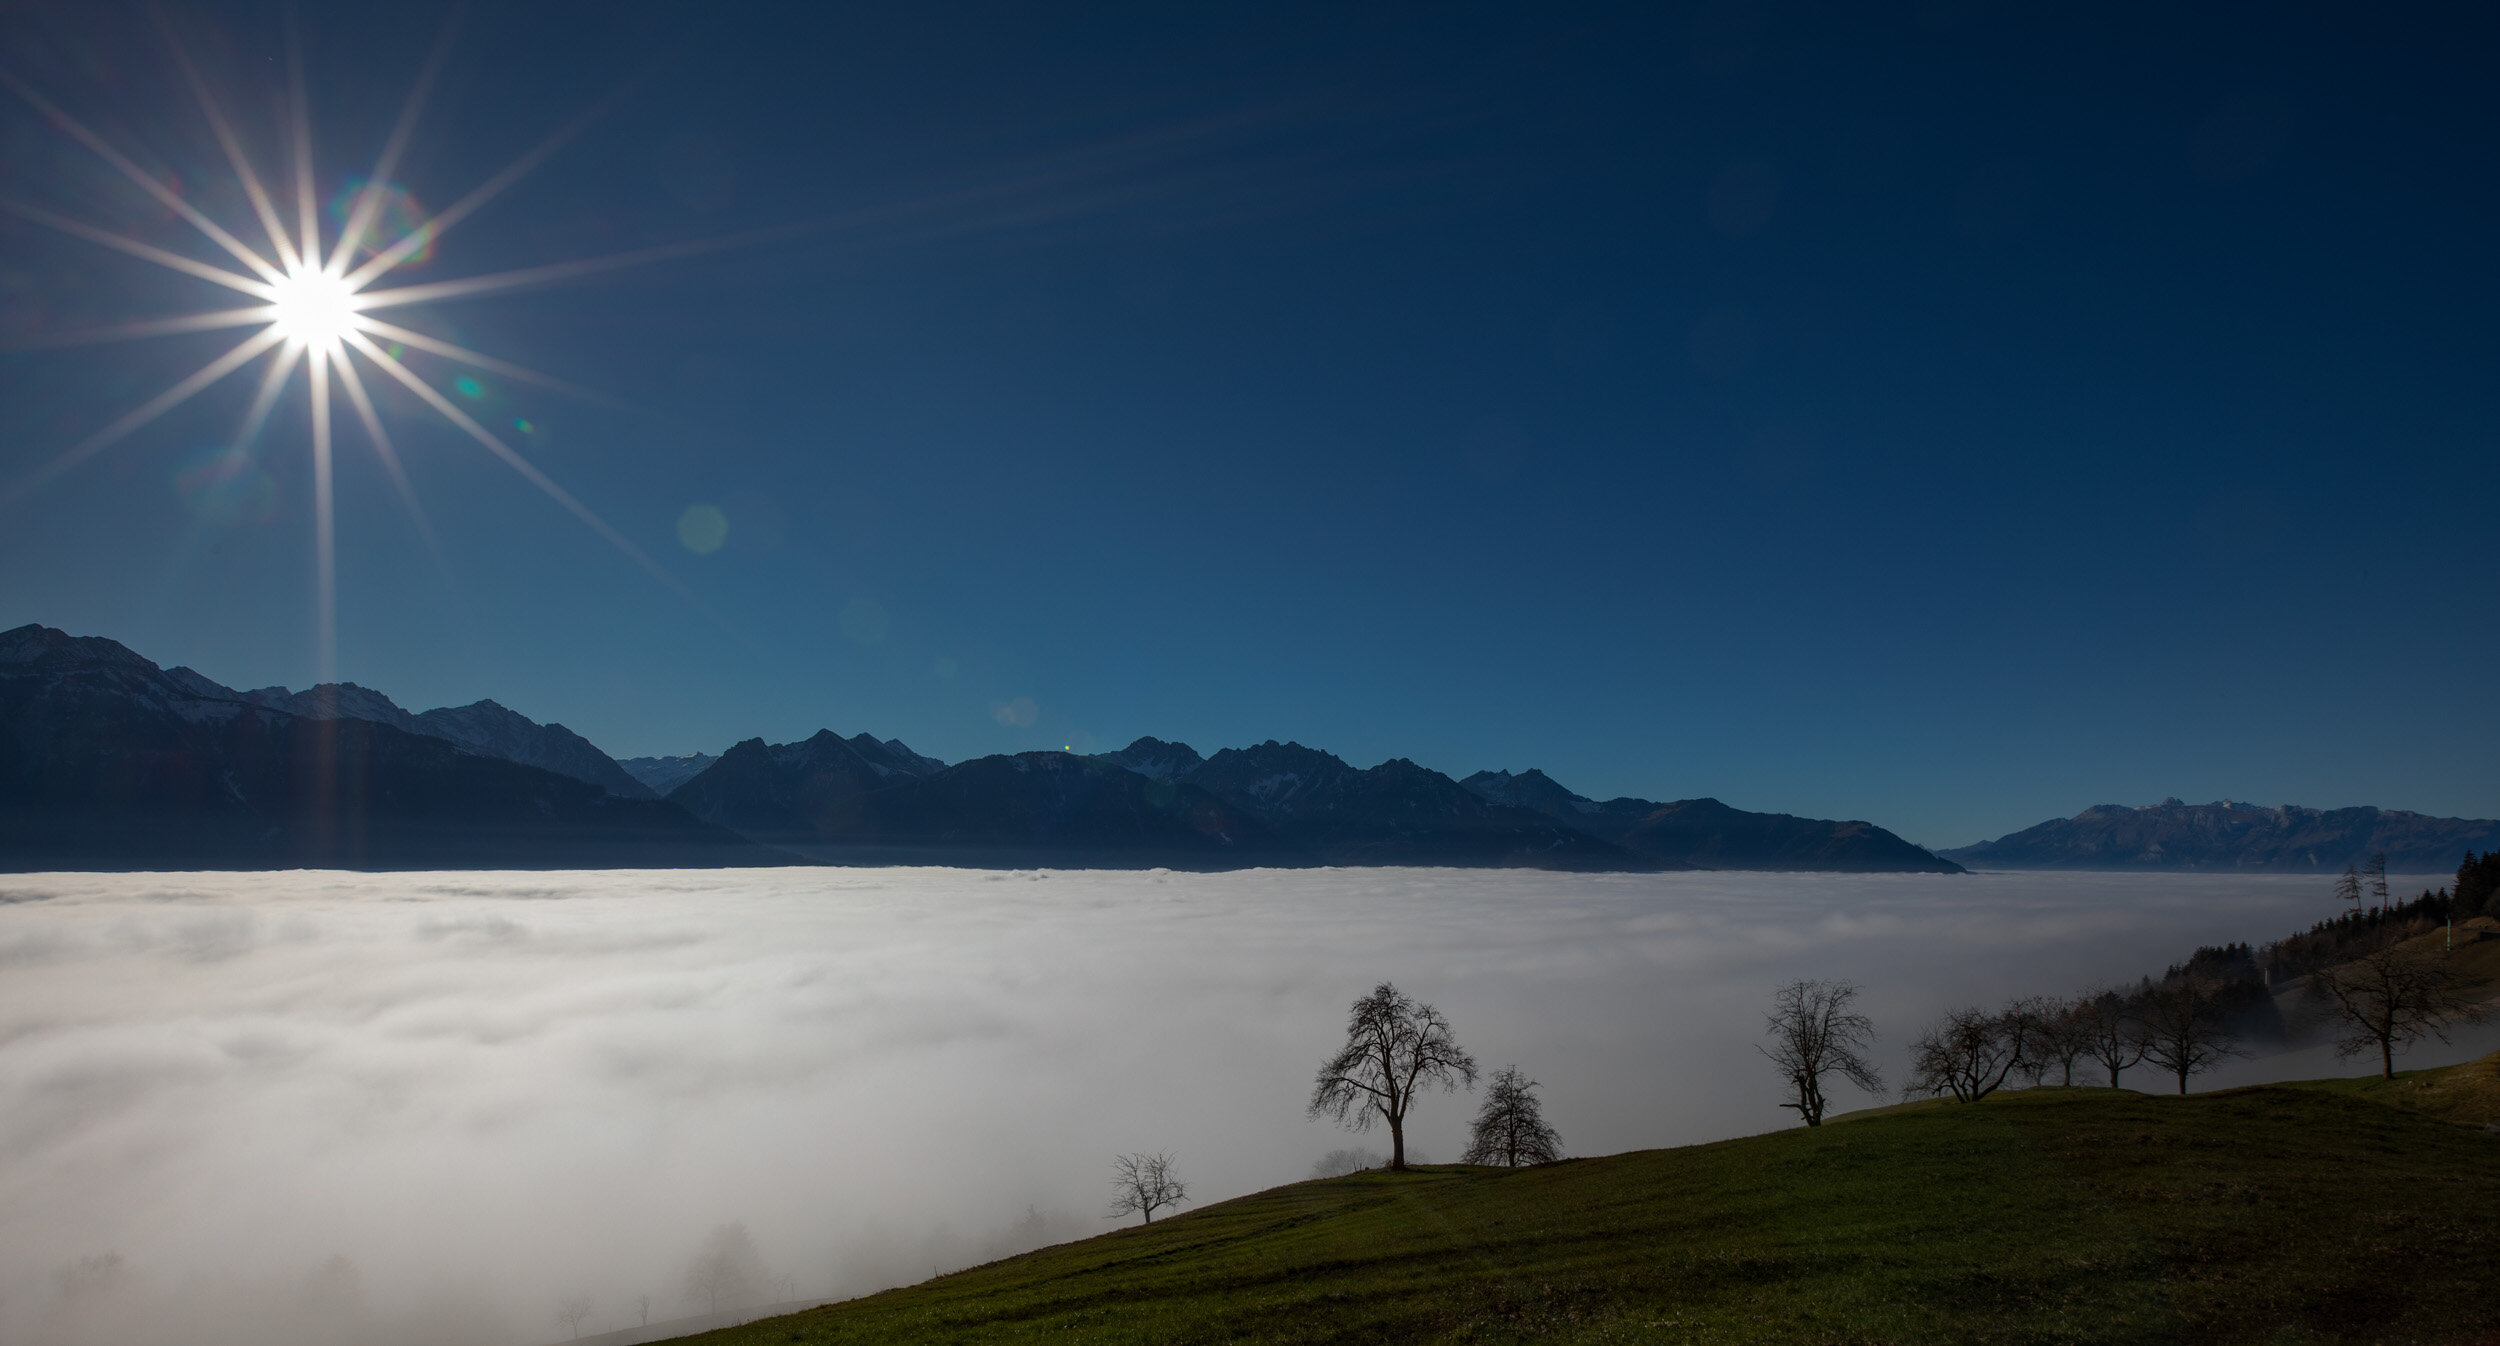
[[315, 302]]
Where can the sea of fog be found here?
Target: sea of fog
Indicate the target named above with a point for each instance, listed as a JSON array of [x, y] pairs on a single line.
[[277, 1108]]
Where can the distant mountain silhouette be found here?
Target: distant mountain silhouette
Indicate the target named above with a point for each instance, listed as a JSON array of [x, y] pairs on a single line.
[[2228, 835], [1155, 759], [1706, 834], [481, 727], [797, 791], [107, 761], [861, 801], [663, 774], [1396, 813]]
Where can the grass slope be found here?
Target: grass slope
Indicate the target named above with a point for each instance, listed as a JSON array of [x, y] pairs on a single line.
[[2277, 1214]]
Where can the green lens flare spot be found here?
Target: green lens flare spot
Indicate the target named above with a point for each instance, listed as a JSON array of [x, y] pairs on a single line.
[[525, 427], [702, 529], [469, 388]]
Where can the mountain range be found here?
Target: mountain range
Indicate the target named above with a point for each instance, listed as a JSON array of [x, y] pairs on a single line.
[[2228, 835], [108, 760], [1706, 834]]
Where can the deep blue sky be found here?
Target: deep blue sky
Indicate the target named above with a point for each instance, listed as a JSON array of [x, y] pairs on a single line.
[[1947, 415]]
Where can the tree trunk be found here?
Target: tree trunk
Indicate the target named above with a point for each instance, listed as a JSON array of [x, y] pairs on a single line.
[[1397, 1144], [2386, 1059], [2183, 1081]]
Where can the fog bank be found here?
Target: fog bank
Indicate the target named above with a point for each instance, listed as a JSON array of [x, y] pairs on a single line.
[[433, 1107]]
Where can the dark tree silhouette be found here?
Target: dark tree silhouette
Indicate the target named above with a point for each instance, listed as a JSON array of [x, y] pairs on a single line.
[[1970, 1053], [1510, 1130], [2390, 998], [572, 1312], [2377, 875], [2348, 888], [2061, 1036], [2113, 1035], [1815, 1034], [1395, 1047], [2183, 1027], [1144, 1184]]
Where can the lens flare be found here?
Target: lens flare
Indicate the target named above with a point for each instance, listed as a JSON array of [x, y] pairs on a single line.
[[314, 296]]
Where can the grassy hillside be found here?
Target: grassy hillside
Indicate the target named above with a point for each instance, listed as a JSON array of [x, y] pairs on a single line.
[[2279, 1214]]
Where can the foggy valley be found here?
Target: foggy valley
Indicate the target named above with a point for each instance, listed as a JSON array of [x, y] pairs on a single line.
[[316, 1106]]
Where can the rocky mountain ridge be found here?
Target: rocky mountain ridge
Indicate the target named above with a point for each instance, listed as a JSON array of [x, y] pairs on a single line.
[[2229, 835], [108, 761], [862, 799], [1706, 834]]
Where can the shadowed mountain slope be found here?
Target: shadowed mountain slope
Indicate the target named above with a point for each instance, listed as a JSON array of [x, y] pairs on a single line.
[[107, 761], [1706, 834], [2068, 1215], [1394, 813], [663, 774], [2227, 835], [481, 727], [836, 800]]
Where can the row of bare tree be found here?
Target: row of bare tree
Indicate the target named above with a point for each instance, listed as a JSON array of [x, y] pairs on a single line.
[[2385, 1000]]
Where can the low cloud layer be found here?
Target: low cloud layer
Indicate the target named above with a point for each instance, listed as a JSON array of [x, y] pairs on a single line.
[[303, 1107]]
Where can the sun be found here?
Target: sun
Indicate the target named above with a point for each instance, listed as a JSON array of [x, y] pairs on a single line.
[[314, 301], [313, 308]]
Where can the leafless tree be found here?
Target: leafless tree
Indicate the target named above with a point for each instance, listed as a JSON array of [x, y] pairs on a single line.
[[2183, 1028], [2348, 888], [1815, 1033], [1144, 1184], [2391, 998], [2113, 1035], [2377, 875], [1395, 1047], [571, 1313], [1511, 1129], [2061, 1036], [1970, 1052], [727, 1271], [642, 1305], [1338, 1163]]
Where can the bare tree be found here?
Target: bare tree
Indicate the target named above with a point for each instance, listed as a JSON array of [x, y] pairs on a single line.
[[2348, 888], [642, 1305], [1338, 1163], [2391, 998], [2377, 875], [1144, 1184], [1511, 1129], [571, 1313], [2061, 1036], [2183, 1028], [1970, 1053], [727, 1271], [2113, 1035], [1814, 1033], [1395, 1047]]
